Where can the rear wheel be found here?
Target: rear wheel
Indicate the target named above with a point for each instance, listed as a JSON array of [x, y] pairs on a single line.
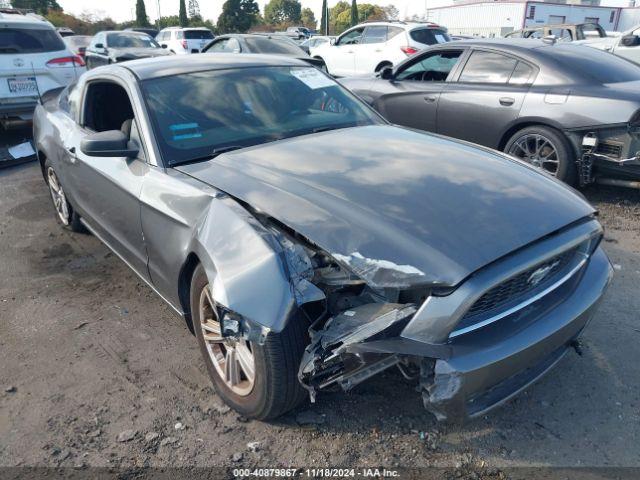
[[258, 381], [64, 211], [546, 149]]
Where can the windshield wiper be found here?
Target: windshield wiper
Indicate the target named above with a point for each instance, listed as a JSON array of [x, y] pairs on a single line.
[[214, 153]]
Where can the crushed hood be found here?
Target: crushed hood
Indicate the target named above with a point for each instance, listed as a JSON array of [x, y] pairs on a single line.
[[397, 206]]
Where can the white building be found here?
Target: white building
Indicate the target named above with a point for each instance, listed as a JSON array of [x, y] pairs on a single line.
[[497, 18]]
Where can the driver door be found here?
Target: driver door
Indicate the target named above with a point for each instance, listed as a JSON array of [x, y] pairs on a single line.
[[411, 97], [342, 61], [106, 190]]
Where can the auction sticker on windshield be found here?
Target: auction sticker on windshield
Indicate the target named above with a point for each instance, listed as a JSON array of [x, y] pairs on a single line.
[[22, 85], [312, 78]]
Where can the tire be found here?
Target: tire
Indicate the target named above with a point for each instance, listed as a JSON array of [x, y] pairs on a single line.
[[565, 166], [65, 214], [275, 389], [383, 65]]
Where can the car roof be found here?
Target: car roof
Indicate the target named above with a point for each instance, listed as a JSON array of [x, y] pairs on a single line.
[[29, 20], [157, 67]]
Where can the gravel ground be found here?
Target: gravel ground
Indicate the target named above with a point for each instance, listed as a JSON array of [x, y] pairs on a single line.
[[97, 371]]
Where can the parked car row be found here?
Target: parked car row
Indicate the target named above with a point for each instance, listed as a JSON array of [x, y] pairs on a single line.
[[308, 243]]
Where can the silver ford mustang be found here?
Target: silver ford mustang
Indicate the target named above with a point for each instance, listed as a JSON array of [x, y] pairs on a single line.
[[308, 243]]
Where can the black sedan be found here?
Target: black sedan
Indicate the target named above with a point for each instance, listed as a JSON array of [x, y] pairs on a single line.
[[266, 44], [571, 110], [114, 47]]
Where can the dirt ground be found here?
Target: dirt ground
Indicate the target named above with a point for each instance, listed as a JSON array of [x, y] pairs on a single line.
[[97, 372]]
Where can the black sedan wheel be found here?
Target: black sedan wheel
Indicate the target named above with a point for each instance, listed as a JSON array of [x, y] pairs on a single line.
[[258, 381], [546, 149]]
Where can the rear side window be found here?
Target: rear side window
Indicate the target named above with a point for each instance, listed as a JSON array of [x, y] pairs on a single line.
[[28, 40], [522, 74], [429, 36], [393, 32], [375, 34], [488, 67], [198, 35]]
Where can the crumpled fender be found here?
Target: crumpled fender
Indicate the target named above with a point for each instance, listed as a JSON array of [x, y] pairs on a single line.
[[255, 272]]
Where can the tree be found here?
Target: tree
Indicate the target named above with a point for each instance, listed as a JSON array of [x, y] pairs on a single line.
[[182, 14], [308, 19], [391, 12], [354, 13], [238, 16], [323, 18], [141, 14], [278, 12], [170, 21], [194, 10], [39, 6]]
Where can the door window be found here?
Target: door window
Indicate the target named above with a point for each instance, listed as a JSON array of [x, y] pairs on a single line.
[[351, 38], [107, 107], [375, 34], [394, 32], [435, 67], [522, 74], [488, 67]]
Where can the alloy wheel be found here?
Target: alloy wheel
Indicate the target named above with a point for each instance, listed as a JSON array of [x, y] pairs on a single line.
[[537, 150], [58, 197], [233, 359]]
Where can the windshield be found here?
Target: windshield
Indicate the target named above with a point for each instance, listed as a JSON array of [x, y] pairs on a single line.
[[600, 66], [246, 106], [131, 40], [198, 35], [29, 40], [278, 46]]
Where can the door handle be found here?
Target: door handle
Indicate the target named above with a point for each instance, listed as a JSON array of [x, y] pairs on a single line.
[[430, 98], [507, 101]]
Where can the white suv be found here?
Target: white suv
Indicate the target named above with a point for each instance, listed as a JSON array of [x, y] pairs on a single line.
[[369, 47], [33, 60], [184, 40]]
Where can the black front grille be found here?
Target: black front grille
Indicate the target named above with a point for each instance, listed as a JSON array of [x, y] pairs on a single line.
[[609, 149], [517, 289]]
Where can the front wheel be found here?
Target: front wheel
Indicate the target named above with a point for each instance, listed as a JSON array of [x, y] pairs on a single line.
[[64, 211], [546, 149], [258, 381]]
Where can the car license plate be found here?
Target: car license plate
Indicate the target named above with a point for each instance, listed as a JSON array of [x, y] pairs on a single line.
[[22, 85]]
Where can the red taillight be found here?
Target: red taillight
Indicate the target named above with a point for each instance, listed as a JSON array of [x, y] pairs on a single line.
[[74, 61], [409, 50], [184, 44]]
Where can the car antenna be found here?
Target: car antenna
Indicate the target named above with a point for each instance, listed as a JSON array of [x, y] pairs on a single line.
[[35, 78]]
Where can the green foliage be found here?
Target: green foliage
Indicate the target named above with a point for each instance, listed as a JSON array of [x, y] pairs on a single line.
[[354, 13], [341, 15], [308, 19], [182, 14], [238, 16], [283, 12], [39, 6], [169, 21], [141, 14]]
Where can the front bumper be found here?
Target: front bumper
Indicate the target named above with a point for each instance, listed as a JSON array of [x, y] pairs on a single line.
[[482, 373]]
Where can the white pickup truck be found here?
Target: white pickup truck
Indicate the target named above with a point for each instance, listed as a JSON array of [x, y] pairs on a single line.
[[626, 45]]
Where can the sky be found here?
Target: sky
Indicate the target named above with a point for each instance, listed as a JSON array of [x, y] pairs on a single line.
[[121, 10]]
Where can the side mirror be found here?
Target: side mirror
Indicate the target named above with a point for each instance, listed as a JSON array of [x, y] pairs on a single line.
[[112, 143], [99, 46], [386, 73], [332, 41], [630, 40], [164, 45]]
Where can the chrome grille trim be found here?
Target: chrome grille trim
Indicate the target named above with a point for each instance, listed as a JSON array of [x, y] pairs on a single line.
[[523, 304]]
